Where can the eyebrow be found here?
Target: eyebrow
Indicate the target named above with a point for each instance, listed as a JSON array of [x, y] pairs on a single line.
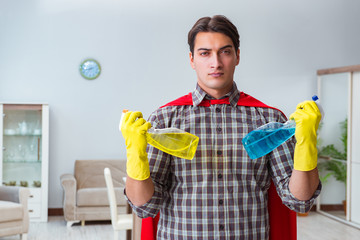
[[207, 49]]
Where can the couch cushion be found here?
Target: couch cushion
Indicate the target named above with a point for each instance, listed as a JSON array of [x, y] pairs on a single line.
[[90, 173], [96, 197], [10, 211]]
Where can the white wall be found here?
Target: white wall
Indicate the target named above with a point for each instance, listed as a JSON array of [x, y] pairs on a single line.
[[142, 48]]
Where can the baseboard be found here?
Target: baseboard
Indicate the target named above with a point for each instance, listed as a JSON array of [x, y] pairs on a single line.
[[55, 212], [331, 207]]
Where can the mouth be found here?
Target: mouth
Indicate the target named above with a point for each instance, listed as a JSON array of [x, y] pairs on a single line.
[[216, 74]]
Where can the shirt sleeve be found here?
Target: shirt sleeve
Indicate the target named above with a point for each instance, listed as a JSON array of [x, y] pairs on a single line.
[[281, 166], [159, 163]]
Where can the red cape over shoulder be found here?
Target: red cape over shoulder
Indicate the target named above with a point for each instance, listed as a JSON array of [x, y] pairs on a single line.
[[282, 219], [244, 100]]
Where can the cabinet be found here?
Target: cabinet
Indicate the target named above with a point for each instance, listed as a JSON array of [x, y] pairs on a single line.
[[24, 139], [339, 135]]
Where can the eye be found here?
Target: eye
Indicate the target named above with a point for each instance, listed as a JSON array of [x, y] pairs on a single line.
[[204, 53], [226, 51]]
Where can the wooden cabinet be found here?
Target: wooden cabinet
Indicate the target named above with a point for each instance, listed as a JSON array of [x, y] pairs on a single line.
[[24, 138]]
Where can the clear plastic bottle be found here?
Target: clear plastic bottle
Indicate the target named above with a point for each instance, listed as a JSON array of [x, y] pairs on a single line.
[[173, 141], [266, 138]]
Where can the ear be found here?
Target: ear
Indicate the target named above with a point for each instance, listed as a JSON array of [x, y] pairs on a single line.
[[238, 57], [191, 60]]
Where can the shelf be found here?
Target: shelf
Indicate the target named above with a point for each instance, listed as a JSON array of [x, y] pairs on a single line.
[[24, 139], [334, 159], [34, 161], [18, 185], [23, 135]]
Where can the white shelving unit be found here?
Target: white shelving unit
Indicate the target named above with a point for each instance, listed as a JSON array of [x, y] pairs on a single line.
[[24, 139], [339, 93]]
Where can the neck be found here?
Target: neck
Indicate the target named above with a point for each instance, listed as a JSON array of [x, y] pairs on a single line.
[[217, 93]]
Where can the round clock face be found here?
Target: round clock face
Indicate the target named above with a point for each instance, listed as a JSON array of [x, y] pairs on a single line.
[[90, 69]]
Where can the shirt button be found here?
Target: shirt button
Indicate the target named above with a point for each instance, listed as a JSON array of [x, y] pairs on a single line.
[[222, 227], [218, 110], [220, 176], [219, 152], [219, 129], [221, 202]]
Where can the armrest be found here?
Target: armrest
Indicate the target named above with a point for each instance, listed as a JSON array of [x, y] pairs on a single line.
[[67, 176], [18, 195], [24, 194], [10, 194], [68, 183]]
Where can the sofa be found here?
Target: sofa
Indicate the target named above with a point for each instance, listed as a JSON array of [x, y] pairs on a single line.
[[85, 194], [14, 217]]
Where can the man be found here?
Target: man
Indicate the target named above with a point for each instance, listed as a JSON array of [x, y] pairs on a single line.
[[221, 193]]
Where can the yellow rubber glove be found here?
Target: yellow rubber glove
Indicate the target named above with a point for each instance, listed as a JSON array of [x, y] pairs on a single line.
[[307, 117], [134, 129]]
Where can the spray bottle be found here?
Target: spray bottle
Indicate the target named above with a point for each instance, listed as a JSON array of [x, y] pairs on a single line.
[[266, 138], [173, 141]]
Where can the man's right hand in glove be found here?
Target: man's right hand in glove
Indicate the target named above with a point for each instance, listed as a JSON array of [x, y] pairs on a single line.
[[134, 129]]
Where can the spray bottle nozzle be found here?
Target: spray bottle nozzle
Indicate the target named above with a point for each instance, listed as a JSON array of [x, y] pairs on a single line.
[[315, 97]]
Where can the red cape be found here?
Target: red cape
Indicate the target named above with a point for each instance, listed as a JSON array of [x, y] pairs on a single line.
[[282, 219]]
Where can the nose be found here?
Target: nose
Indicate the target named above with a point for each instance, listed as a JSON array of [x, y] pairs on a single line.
[[216, 62]]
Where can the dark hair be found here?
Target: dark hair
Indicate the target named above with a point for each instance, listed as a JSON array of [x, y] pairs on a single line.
[[217, 23]]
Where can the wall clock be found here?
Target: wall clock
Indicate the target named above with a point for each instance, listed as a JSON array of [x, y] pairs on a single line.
[[90, 69]]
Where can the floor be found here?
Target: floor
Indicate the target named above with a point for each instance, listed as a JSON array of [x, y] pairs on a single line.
[[312, 227], [318, 227], [55, 229]]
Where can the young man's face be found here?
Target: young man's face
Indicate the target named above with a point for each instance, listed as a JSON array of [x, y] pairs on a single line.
[[214, 61]]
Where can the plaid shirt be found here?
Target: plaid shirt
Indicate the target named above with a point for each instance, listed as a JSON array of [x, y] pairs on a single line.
[[221, 193]]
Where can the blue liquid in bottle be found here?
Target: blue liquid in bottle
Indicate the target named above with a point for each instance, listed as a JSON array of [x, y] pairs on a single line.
[[266, 138]]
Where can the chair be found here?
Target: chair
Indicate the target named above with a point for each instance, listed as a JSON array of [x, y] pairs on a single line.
[[118, 221], [14, 217], [84, 191]]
